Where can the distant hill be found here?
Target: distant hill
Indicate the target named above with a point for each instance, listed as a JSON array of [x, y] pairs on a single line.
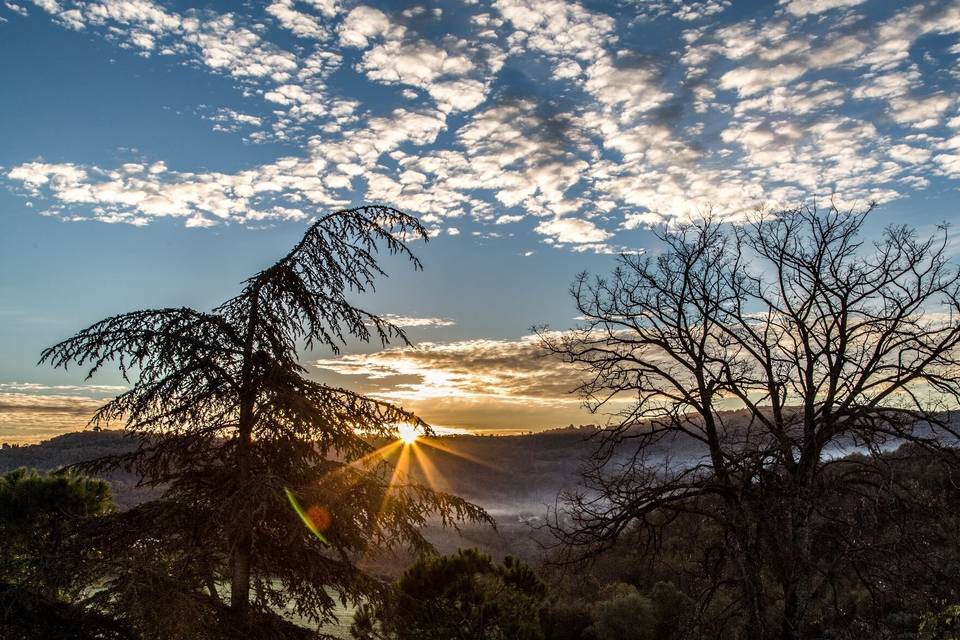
[[79, 446], [511, 476], [516, 478]]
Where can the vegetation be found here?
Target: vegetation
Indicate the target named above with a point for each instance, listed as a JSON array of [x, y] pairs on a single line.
[[465, 596], [41, 519], [821, 342], [227, 423], [38, 517], [784, 464]]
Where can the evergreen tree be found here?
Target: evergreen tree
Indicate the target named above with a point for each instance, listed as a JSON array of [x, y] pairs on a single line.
[[39, 515], [231, 426]]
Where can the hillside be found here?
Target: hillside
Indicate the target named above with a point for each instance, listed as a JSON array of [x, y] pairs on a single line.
[[508, 475]]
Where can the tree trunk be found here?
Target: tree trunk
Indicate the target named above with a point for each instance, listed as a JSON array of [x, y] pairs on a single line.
[[243, 540], [243, 528], [797, 588], [752, 593], [751, 582], [240, 580]]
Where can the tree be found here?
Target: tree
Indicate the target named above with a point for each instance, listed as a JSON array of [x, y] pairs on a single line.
[[232, 428], [41, 591], [814, 341], [622, 613], [39, 515], [465, 596]]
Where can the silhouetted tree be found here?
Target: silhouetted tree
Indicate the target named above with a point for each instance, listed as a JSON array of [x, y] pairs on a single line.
[[228, 423], [465, 596], [39, 516], [821, 341], [42, 581]]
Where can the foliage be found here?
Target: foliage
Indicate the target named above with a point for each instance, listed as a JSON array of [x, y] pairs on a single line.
[[27, 615], [892, 549], [622, 613], [39, 517], [42, 519], [943, 625], [566, 618], [465, 596], [227, 420]]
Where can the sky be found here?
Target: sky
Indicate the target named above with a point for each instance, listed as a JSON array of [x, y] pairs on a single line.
[[156, 153]]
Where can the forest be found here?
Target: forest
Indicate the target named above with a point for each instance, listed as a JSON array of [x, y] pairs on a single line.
[[774, 456]]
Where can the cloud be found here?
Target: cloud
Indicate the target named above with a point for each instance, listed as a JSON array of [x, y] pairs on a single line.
[[33, 387], [410, 321], [16, 8], [513, 371], [922, 113], [27, 417], [136, 195], [748, 81], [813, 7], [302, 24], [477, 384], [230, 121], [221, 44], [520, 109], [361, 25], [572, 230], [455, 72], [690, 11]]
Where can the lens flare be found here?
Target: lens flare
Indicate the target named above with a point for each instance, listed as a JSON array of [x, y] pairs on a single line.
[[316, 518], [407, 433]]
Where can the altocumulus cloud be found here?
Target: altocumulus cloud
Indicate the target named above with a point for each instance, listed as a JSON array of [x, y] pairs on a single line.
[[731, 112]]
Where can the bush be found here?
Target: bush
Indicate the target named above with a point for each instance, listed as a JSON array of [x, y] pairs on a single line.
[[622, 613]]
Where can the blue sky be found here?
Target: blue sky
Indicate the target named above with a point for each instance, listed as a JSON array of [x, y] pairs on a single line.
[[153, 153]]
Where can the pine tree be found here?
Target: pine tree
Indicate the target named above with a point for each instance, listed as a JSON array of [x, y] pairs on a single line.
[[234, 431]]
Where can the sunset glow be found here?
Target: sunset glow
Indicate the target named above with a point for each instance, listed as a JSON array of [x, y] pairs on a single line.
[[407, 433]]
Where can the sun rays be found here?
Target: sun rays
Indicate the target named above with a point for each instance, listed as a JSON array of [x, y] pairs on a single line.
[[410, 460], [415, 459]]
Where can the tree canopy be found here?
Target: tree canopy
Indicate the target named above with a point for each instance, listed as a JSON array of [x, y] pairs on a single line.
[[464, 596], [815, 341], [230, 424]]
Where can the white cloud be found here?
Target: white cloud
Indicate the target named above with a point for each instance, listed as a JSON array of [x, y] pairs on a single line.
[[748, 81], [572, 230], [922, 113], [455, 72], [362, 24], [204, 199], [411, 321], [513, 371], [600, 140], [16, 8], [812, 7], [302, 24]]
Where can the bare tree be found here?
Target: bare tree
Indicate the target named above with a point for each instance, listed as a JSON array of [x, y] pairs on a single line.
[[772, 346]]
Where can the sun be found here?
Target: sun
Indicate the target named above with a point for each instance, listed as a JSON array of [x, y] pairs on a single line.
[[407, 433]]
